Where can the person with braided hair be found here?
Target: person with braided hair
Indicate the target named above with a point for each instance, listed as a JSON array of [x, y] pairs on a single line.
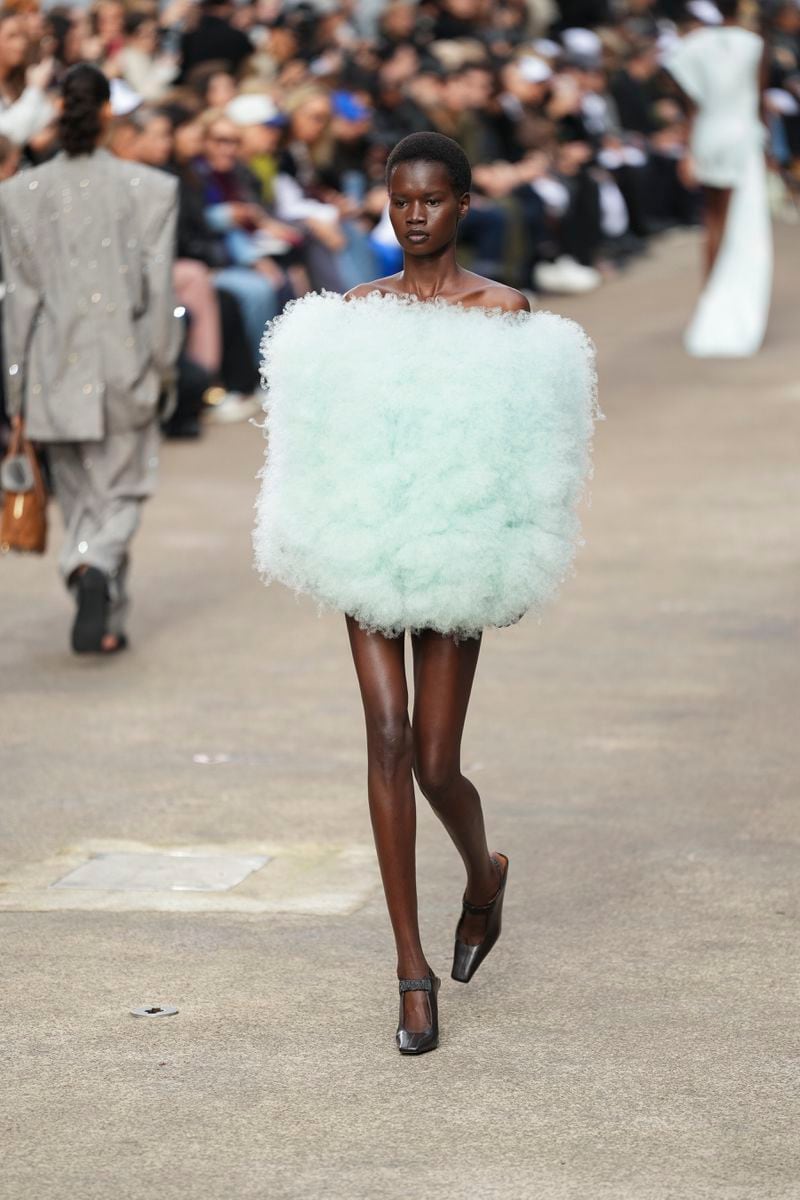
[[91, 339]]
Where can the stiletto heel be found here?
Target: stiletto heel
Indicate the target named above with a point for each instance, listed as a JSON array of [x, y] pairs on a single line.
[[410, 1041], [467, 958]]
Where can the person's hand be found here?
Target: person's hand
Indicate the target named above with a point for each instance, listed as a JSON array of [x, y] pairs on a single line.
[[280, 229], [329, 62], [348, 206], [533, 166], [40, 74], [329, 233], [246, 216], [375, 201], [566, 97], [174, 13], [496, 179], [292, 74]]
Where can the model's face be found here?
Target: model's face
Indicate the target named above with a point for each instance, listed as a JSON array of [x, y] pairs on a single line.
[[423, 207]]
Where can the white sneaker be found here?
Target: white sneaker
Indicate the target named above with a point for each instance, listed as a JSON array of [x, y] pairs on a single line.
[[566, 276], [232, 407]]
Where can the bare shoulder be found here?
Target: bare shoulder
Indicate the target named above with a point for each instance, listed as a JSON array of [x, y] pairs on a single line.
[[497, 295], [480, 292], [386, 286]]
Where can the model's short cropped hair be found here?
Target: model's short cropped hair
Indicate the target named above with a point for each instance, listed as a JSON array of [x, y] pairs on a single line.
[[433, 147]]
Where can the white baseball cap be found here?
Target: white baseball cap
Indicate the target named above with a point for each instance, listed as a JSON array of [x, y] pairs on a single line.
[[124, 99], [546, 48], [252, 108], [533, 70], [705, 11], [582, 42]]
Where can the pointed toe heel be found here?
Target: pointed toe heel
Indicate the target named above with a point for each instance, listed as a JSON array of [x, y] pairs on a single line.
[[465, 961], [467, 958], [411, 1041]]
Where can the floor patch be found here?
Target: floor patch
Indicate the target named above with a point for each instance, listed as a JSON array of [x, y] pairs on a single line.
[[177, 871], [319, 879]]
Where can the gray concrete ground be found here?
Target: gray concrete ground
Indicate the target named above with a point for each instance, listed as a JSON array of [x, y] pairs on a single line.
[[634, 1035]]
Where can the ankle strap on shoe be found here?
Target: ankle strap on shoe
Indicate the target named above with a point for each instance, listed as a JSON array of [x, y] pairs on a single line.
[[476, 910], [414, 985]]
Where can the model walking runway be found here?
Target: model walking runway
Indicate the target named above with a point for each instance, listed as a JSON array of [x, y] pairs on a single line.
[[428, 445], [719, 71]]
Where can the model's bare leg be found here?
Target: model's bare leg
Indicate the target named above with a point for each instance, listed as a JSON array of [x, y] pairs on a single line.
[[717, 203], [380, 668], [443, 675]]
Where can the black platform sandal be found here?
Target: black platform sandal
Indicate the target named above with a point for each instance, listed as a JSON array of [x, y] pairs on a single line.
[[410, 1041], [466, 958], [89, 626]]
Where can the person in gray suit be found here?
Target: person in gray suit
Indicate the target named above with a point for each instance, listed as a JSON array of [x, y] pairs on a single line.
[[91, 340]]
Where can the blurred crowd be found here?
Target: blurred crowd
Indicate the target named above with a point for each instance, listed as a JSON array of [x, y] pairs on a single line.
[[277, 117]]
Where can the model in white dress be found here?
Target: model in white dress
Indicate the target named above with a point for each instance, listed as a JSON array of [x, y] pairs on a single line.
[[719, 70]]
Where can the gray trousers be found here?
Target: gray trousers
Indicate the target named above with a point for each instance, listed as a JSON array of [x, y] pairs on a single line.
[[100, 488]]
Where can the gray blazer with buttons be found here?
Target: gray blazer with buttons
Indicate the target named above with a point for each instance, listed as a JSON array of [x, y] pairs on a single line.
[[88, 315]]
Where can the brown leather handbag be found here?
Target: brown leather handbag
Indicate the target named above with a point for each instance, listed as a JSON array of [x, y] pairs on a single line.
[[23, 524]]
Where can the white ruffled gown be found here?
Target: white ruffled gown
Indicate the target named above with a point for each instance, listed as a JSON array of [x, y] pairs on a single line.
[[719, 70]]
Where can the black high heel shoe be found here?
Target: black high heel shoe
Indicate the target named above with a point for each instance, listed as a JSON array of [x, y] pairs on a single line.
[[466, 958], [410, 1041]]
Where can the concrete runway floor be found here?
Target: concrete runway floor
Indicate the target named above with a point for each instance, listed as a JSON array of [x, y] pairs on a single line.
[[634, 1036]]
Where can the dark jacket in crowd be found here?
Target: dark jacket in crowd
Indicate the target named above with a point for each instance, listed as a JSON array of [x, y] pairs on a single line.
[[213, 40], [196, 239], [634, 100]]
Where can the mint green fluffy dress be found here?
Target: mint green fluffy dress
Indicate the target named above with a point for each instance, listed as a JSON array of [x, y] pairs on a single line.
[[425, 460]]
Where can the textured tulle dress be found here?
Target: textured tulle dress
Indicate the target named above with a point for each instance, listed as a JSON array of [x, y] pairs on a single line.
[[424, 460]]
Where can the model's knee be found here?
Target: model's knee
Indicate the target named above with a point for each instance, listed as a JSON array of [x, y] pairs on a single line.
[[436, 773], [390, 745]]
